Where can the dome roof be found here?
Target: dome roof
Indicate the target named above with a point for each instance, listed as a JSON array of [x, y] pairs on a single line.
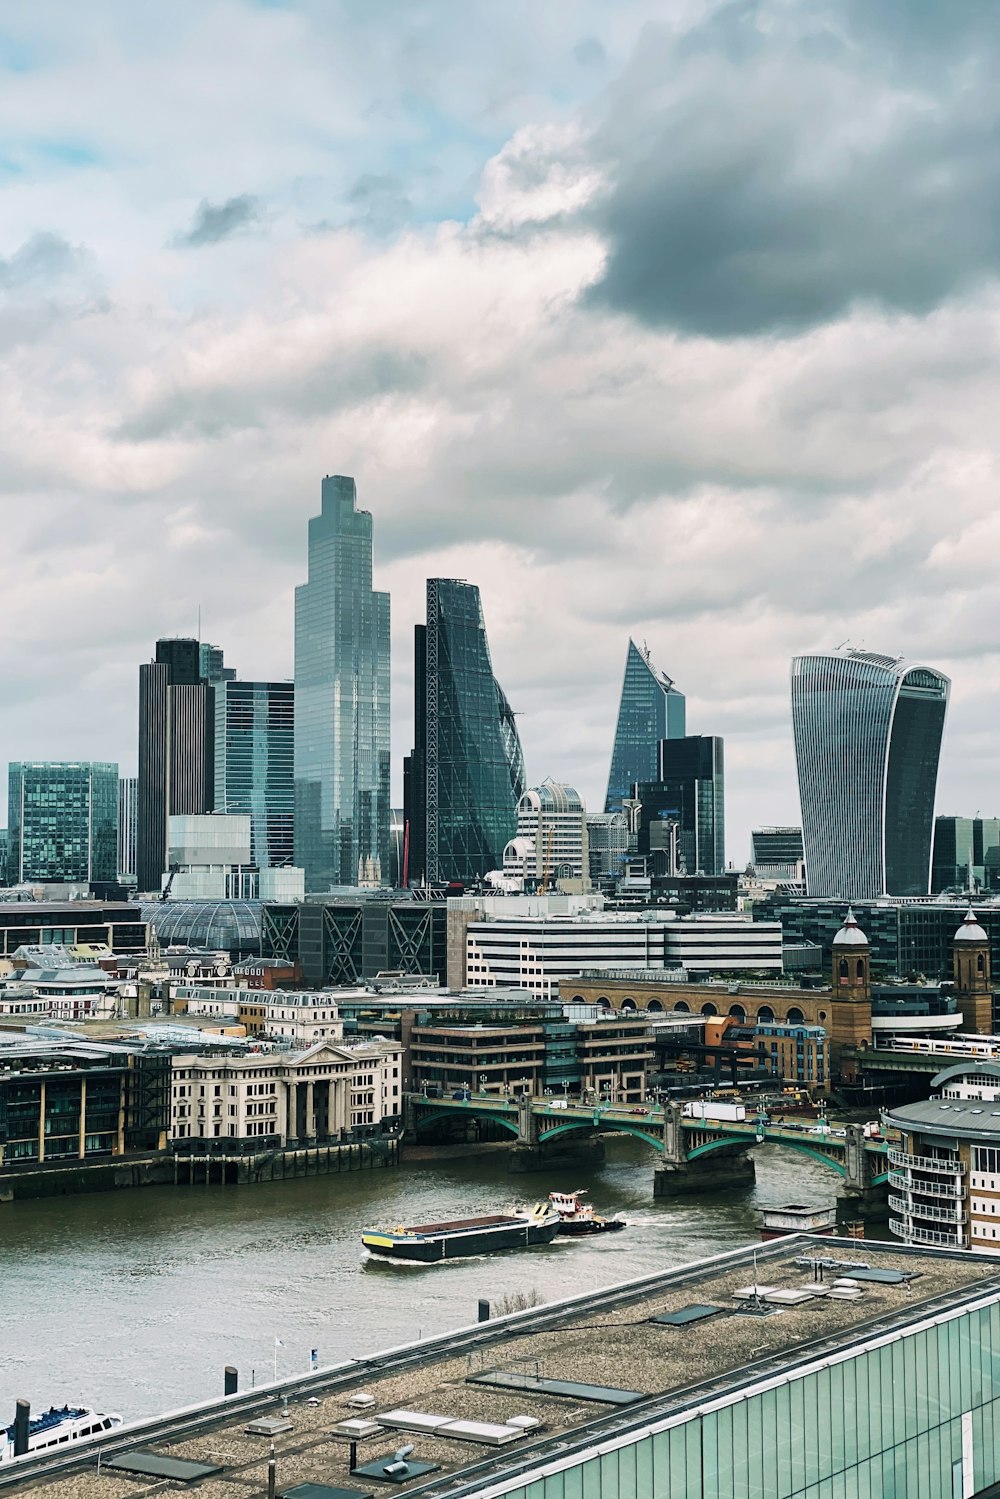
[[850, 934], [970, 930]]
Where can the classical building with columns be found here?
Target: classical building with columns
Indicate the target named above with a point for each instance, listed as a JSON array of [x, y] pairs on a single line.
[[326, 1093]]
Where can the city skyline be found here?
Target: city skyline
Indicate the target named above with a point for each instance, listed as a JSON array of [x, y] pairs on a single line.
[[471, 304]]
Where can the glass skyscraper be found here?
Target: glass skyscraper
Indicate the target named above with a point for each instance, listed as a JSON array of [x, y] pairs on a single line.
[[651, 709], [867, 741], [63, 821], [683, 813], [254, 764], [463, 781], [341, 700]]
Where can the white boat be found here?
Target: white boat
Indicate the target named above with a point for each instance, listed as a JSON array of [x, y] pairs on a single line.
[[57, 1427]]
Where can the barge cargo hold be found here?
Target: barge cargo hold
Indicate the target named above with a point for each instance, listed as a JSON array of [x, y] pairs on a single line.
[[427, 1243]]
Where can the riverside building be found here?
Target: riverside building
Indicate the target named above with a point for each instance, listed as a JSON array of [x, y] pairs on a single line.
[[867, 741]]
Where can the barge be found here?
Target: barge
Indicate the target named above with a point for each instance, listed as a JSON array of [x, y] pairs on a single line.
[[427, 1243]]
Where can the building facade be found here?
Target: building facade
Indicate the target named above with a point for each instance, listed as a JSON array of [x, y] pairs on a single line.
[[352, 940], [326, 1093], [464, 776], [651, 709], [683, 814], [176, 746], [62, 819], [966, 854], [777, 853], [341, 700], [607, 845], [128, 790], [551, 846], [255, 764], [867, 742]]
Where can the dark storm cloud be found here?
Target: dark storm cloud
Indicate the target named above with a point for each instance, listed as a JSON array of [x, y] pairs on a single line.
[[779, 164], [217, 221]]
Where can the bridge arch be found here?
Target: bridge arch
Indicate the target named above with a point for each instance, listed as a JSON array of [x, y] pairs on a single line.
[[605, 1126], [749, 1141], [474, 1113]]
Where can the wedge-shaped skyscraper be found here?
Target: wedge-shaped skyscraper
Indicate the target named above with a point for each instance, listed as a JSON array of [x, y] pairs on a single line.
[[465, 776], [341, 700], [867, 742], [651, 709]]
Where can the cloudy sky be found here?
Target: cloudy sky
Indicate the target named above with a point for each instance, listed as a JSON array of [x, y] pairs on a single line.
[[675, 319]]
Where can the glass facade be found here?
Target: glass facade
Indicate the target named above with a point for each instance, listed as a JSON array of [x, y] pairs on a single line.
[[63, 821], [683, 814], [254, 764], [915, 1413], [867, 741], [651, 709], [966, 854], [464, 778], [231, 926], [341, 700]]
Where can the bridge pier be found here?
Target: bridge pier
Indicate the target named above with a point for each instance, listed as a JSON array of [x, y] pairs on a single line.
[[859, 1195], [719, 1171], [585, 1152]]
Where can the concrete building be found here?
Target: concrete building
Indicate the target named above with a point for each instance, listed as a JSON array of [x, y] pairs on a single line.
[[777, 854], [210, 857], [325, 1093], [608, 843], [550, 848], [114, 924]]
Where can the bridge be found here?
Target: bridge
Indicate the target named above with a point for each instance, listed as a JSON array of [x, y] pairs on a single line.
[[696, 1155]]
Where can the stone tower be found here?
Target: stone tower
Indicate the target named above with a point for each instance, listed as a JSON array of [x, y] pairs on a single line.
[[973, 986], [851, 999]]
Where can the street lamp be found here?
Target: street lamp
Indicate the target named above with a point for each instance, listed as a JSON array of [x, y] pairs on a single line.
[[482, 1082]]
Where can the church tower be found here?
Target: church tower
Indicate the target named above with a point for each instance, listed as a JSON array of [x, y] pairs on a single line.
[[973, 986], [851, 1018]]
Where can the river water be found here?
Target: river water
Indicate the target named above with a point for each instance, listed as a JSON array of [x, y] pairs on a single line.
[[134, 1301]]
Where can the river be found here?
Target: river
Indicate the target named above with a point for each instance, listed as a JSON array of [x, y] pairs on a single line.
[[134, 1301]]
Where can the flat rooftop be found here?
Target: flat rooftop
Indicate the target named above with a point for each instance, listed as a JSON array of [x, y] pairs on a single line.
[[639, 1368]]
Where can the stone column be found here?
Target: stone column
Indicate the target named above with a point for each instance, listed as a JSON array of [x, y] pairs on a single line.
[[293, 1111], [310, 1121]]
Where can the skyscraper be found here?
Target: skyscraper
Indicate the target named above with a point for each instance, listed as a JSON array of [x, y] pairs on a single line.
[[463, 780], [683, 813], [341, 699], [63, 821], [651, 709], [254, 764], [867, 741], [128, 791], [176, 746]]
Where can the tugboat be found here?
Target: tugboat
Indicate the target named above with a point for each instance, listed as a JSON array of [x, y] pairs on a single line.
[[578, 1217], [57, 1427], [428, 1243]]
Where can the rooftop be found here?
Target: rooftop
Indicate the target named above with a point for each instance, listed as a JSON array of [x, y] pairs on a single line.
[[639, 1369]]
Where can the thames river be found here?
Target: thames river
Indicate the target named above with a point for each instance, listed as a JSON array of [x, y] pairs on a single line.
[[134, 1301]]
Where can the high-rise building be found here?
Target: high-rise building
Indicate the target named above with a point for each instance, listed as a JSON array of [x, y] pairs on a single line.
[[62, 818], [651, 709], [683, 813], [176, 746], [550, 848], [128, 790], [254, 764], [867, 741], [966, 853], [607, 844], [341, 700], [463, 780]]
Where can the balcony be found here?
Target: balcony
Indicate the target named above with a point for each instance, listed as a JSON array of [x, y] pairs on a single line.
[[910, 1209], [950, 1165], [926, 1235], [953, 1190]]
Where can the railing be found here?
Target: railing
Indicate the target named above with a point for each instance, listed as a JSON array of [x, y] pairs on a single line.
[[954, 1190], [926, 1235], [951, 1165], [936, 1215]]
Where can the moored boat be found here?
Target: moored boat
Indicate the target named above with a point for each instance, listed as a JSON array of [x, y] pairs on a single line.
[[428, 1243], [57, 1427], [578, 1217]]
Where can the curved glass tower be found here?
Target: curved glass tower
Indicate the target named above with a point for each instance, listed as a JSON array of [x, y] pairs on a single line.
[[465, 776], [867, 741], [651, 709]]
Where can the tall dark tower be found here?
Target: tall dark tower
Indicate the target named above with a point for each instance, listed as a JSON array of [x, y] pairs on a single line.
[[176, 747], [973, 983]]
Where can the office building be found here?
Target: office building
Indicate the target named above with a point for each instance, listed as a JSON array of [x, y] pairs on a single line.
[[462, 780], [867, 741], [682, 814], [351, 939], [607, 845], [966, 854], [31, 923], [341, 700], [550, 850], [397, 846], [651, 709], [176, 746], [128, 790], [777, 853], [62, 819], [254, 764]]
